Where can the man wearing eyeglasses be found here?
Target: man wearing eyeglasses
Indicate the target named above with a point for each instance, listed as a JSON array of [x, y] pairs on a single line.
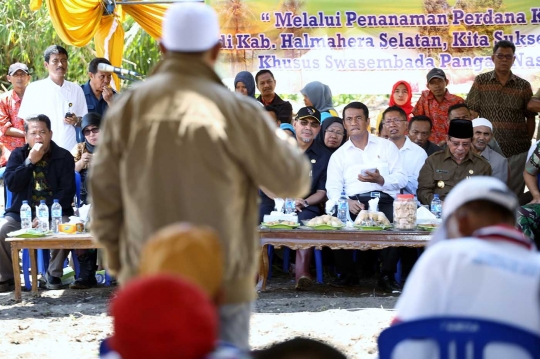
[[366, 167], [502, 97], [445, 169], [307, 125], [62, 101]]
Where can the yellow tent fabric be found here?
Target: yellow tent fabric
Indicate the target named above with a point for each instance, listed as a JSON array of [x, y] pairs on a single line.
[[78, 21]]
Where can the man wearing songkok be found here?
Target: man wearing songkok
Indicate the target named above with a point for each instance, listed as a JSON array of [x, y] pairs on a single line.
[[181, 145], [445, 169], [502, 97], [477, 266], [366, 167], [483, 133]]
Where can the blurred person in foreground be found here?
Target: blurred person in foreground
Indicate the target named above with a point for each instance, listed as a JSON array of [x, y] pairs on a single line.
[[478, 265], [193, 254], [181, 146]]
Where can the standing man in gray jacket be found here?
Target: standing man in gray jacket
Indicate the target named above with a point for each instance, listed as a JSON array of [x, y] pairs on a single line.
[[182, 147]]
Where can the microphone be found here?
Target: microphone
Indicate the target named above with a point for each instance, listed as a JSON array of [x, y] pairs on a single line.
[[117, 70]]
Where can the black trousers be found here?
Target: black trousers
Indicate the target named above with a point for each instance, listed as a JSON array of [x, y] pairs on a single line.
[[368, 259]]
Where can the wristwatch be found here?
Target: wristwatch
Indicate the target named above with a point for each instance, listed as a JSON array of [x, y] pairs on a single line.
[[306, 204]]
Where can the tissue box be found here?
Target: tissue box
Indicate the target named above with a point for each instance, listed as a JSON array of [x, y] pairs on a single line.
[[276, 216]]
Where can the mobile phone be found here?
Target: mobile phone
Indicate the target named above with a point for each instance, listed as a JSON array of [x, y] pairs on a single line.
[[364, 171]]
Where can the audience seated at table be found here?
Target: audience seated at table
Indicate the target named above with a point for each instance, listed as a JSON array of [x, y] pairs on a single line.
[[351, 169], [443, 170], [39, 170], [82, 154], [332, 134]]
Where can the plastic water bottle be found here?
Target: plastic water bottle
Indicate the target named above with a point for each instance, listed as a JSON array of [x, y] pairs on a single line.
[[343, 207], [26, 215], [43, 216], [290, 206], [436, 206], [56, 214]]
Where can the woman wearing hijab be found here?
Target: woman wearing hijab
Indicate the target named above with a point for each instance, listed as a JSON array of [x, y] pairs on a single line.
[[82, 154], [244, 83], [319, 95], [332, 134], [401, 96]]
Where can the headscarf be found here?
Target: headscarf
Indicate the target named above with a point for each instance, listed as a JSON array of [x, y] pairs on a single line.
[[247, 79], [324, 126], [407, 107], [320, 96], [94, 119]]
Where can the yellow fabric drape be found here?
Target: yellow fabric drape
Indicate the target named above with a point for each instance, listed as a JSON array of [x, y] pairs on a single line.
[[78, 21]]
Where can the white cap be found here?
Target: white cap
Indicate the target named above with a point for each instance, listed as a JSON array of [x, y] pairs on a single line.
[[482, 122], [190, 27], [479, 188]]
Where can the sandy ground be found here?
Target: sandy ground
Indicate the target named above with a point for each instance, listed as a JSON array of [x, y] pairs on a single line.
[[70, 324]]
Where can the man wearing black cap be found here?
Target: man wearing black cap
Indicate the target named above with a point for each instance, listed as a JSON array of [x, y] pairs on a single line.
[[445, 169], [435, 102], [11, 126], [307, 125]]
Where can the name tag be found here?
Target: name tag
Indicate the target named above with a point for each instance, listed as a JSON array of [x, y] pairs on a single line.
[[441, 171], [375, 195]]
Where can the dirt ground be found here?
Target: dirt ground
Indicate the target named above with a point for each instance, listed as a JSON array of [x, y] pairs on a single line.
[[71, 323]]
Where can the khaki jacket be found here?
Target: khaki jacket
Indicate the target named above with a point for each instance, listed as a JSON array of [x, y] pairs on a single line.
[[182, 147], [441, 173]]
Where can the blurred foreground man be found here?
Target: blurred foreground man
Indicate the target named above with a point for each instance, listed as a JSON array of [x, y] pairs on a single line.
[[478, 266], [182, 147]]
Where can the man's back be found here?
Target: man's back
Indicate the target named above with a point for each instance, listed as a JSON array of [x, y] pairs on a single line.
[[489, 279], [182, 147]]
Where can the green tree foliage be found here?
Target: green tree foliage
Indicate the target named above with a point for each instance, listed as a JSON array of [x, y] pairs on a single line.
[[25, 34]]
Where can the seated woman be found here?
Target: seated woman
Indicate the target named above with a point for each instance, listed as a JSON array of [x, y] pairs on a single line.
[[82, 154], [332, 134], [244, 83]]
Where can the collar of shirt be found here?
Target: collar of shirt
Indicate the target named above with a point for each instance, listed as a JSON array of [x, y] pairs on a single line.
[[350, 145], [408, 145], [504, 233], [493, 77], [15, 97], [270, 102], [54, 84], [486, 153], [448, 155], [447, 96]]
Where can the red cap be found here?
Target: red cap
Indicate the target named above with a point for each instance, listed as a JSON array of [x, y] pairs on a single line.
[[163, 316], [405, 196]]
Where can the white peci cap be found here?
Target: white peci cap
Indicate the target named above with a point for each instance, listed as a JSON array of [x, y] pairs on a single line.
[[190, 27], [479, 188], [482, 122]]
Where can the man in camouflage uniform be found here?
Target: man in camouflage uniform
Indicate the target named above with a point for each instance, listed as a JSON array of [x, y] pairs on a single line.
[[529, 215]]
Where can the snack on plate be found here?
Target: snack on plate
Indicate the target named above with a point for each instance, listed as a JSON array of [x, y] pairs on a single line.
[[325, 220], [371, 219], [281, 222]]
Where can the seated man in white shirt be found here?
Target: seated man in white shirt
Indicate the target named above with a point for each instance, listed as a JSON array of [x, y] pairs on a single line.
[[478, 265], [366, 167], [413, 158]]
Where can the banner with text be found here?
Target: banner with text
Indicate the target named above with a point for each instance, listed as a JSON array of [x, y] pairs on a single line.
[[366, 46]]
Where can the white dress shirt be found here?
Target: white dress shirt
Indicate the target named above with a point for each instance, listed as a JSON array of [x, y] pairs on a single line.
[[347, 162], [44, 97], [413, 158]]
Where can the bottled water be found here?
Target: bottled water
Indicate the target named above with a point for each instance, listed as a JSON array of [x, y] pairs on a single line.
[[290, 206], [343, 207], [43, 216], [436, 206], [26, 216], [56, 214]]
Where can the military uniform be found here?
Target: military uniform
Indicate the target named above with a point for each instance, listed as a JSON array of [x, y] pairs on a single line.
[[441, 173]]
